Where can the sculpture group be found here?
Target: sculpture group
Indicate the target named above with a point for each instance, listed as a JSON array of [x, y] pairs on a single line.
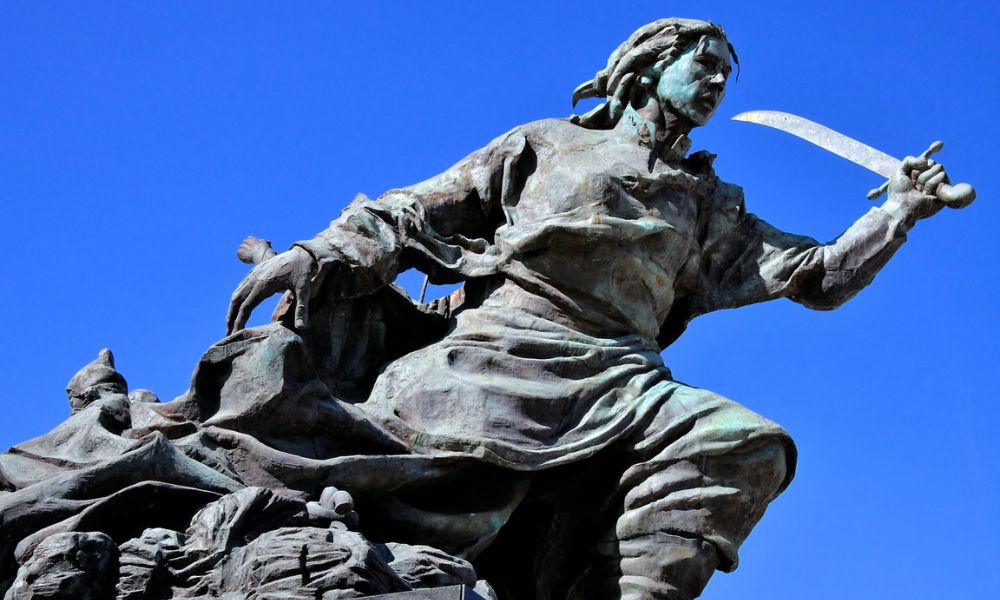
[[521, 436]]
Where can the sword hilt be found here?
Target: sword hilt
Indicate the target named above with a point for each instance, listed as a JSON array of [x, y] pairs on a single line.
[[876, 193], [953, 196], [956, 196]]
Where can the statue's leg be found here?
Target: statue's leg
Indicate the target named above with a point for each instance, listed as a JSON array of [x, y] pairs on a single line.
[[685, 519], [706, 469]]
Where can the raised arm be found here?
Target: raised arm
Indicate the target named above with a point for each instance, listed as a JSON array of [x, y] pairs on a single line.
[[746, 260], [441, 226]]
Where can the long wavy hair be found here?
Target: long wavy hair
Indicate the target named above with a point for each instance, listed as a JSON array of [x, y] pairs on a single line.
[[641, 59]]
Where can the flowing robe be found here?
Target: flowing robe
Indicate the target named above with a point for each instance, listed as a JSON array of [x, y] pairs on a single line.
[[589, 254], [583, 255]]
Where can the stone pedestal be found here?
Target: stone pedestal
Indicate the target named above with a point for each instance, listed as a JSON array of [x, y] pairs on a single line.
[[452, 592]]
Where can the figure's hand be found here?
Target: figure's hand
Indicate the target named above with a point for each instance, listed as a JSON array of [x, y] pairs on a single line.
[[920, 188], [291, 270], [912, 186]]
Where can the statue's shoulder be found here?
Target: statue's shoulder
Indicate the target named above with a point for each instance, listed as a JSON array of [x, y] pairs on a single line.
[[552, 135]]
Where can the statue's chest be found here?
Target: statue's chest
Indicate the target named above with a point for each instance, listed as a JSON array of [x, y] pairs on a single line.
[[594, 185]]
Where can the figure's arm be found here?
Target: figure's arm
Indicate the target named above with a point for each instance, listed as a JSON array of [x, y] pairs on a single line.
[[746, 260], [420, 226], [433, 225]]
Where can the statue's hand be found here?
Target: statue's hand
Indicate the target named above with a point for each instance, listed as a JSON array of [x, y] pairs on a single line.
[[912, 188], [920, 188], [291, 270]]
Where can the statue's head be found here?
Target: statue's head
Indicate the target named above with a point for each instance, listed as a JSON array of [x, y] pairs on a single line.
[[682, 63], [93, 380]]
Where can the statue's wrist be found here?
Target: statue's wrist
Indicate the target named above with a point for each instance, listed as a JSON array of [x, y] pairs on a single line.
[[305, 249], [900, 210]]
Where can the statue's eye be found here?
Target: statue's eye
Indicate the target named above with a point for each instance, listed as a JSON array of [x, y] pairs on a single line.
[[707, 60]]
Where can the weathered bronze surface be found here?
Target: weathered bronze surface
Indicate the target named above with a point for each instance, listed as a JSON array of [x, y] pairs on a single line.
[[521, 437], [458, 592]]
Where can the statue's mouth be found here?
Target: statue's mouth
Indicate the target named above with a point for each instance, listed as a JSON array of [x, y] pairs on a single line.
[[708, 101]]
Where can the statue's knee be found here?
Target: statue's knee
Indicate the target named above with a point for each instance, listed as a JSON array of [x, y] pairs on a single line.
[[773, 458], [763, 468]]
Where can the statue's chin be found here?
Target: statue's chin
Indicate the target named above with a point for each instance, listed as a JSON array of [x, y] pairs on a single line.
[[699, 118], [693, 116]]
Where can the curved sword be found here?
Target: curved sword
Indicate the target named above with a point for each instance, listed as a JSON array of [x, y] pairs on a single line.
[[870, 158]]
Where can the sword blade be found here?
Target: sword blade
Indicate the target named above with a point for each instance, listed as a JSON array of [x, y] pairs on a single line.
[[826, 138]]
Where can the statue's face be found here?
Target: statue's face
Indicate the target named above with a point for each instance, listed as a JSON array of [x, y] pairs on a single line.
[[693, 85]]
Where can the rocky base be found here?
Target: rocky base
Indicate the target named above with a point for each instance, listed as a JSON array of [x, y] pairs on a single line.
[[454, 592], [251, 544]]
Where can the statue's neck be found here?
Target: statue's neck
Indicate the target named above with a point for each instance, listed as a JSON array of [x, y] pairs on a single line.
[[659, 129]]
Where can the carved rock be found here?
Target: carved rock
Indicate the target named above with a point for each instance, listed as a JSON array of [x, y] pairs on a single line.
[[454, 592], [303, 563], [427, 567], [144, 572], [68, 566], [143, 395], [237, 518]]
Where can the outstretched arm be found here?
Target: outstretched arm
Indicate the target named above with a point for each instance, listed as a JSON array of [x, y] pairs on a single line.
[[435, 226], [746, 260]]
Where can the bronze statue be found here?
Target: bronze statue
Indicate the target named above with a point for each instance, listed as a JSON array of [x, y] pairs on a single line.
[[525, 427]]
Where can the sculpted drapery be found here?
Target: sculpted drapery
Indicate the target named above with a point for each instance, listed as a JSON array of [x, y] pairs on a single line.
[[526, 422], [569, 229]]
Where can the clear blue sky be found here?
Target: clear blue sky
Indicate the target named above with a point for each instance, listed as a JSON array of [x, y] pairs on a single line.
[[140, 143]]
